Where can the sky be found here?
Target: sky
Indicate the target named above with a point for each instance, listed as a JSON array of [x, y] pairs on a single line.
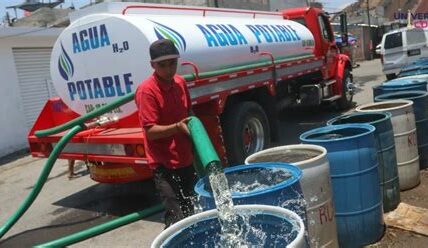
[[329, 5], [335, 5]]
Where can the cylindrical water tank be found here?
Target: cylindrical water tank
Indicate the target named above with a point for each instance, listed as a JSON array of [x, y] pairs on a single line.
[[355, 179], [385, 145], [316, 187], [420, 109], [100, 57], [279, 226], [405, 137]]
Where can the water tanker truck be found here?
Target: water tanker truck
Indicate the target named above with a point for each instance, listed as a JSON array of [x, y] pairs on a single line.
[[241, 67]]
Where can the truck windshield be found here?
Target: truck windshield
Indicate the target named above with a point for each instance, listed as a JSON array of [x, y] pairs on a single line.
[[325, 28], [393, 40]]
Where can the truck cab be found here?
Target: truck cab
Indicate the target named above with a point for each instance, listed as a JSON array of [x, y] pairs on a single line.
[[318, 23]]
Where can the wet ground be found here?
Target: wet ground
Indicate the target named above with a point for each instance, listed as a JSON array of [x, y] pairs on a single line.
[[66, 206], [399, 238]]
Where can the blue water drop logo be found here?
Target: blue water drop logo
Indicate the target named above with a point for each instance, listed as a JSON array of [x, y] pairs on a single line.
[[65, 65], [165, 32]]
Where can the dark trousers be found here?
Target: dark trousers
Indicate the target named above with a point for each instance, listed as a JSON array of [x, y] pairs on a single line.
[[175, 187]]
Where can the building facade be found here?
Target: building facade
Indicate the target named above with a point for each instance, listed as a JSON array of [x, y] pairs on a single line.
[[25, 82]]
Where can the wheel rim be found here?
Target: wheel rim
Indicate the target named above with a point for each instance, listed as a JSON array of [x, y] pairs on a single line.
[[349, 89], [253, 136]]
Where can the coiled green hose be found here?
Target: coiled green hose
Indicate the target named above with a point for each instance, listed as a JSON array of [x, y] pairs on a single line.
[[41, 181]]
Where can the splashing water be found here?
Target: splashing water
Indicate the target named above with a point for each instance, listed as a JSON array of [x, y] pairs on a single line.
[[236, 230], [257, 179], [230, 236]]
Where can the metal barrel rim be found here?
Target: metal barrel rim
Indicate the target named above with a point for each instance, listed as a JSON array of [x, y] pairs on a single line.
[[407, 95], [294, 170], [306, 136], [369, 107], [385, 116], [298, 241], [322, 150]]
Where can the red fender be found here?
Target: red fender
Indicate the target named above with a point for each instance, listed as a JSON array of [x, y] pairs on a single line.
[[343, 62]]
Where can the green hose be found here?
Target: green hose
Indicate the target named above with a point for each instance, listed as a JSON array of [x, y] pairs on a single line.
[[129, 97], [80, 120], [41, 181], [205, 154], [203, 148], [105, 227]]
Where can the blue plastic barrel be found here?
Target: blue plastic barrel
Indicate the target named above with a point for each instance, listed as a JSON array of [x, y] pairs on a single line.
[[286, 193], [417, 67], [415, 64], [385, 146], [413, 72], [260, 226], [355, 179], [419, 77], [420, 108], [400, 84]]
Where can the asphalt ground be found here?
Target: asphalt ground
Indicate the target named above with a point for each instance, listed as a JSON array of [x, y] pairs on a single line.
[[66, 206]]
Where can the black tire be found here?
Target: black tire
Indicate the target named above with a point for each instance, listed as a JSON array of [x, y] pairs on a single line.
[[391, 76], [244, 120], [345, 102]]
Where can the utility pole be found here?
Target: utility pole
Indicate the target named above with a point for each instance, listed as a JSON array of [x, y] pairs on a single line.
[[370, 30]]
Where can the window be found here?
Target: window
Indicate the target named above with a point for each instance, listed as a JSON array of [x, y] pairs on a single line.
[[325, 28], [416, 36], [393, 40]]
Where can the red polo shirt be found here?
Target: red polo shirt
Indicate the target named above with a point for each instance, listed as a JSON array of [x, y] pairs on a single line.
[[161, 103]]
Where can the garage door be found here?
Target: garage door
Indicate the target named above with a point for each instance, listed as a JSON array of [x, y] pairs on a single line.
[[32, 66]]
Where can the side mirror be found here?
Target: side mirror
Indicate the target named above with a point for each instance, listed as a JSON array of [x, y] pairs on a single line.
[[344, 28], [343, 23]]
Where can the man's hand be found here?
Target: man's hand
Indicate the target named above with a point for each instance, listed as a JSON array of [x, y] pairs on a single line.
[[162, 131], [182, 126]]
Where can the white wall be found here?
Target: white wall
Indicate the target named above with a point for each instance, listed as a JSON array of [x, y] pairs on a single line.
[[12, 121], [13, 132]]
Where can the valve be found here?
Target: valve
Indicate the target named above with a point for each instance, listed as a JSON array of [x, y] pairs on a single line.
[[102, 121]]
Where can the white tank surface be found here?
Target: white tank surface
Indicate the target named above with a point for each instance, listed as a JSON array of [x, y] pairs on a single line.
[[101, 57], [316, 186], [405, 137]]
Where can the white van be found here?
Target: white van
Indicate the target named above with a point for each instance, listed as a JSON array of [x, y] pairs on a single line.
[[401, 47]]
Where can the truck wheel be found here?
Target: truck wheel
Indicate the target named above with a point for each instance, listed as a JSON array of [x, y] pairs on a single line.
[[246, 131], [345, 102], [390, 76]]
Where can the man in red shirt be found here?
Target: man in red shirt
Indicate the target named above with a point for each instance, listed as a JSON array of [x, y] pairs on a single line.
[[164, 106]]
